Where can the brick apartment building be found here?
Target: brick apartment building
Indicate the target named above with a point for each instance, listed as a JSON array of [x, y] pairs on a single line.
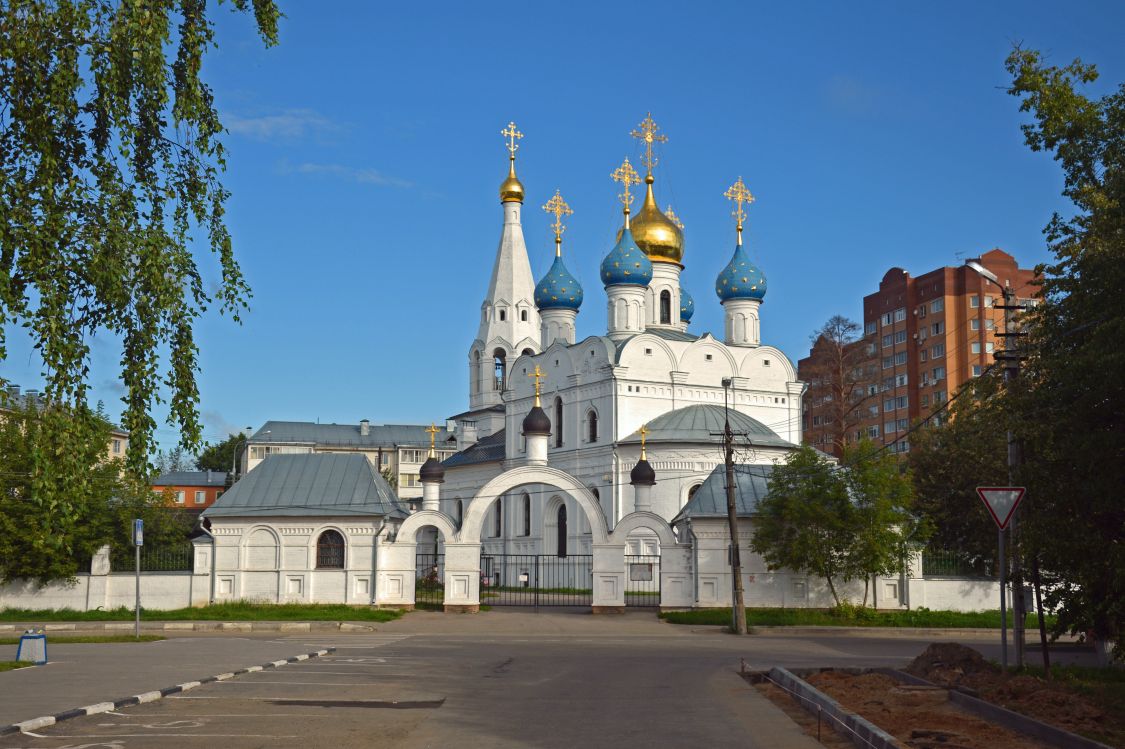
[[191, 490], [922, 339]]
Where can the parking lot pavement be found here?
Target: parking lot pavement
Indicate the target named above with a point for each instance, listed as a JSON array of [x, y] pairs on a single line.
[[85, 674], [406, 691]]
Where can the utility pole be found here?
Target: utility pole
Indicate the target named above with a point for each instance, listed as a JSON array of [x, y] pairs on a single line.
[[1011, 358], [738, 603]]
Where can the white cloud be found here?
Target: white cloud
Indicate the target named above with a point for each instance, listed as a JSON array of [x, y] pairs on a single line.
[[292, 123], [353, 174]]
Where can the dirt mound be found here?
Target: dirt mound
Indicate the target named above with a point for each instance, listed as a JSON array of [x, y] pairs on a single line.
[[951, 664]]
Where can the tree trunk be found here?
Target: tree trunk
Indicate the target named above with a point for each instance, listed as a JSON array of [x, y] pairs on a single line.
[[832, 590], [866, 585]]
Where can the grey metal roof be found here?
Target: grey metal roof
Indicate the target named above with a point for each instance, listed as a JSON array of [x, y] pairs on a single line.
[[489, 449], [191, 478], [312, 484], [703, 423], [499, 407], [347, 435], [751, 484]]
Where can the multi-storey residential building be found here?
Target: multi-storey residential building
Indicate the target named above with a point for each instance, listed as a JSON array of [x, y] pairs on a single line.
[[396, 450], [191, 490], [923, 337]]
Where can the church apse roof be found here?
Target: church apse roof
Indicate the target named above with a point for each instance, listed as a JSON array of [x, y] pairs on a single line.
[[751, 484], [704, 423], [313, 484]]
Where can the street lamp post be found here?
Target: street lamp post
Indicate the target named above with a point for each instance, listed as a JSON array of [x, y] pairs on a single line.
[[1011, 359]]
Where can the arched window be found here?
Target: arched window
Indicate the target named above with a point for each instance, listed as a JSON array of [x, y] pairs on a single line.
[[666, 307], [460, 511], [592, 426], [526, 514], [691, 492], [475, 384], [499, 518], [562, 531], [528, 352], [499, 369], [330, 551], [558, 423], [523, 315], [503, 315]]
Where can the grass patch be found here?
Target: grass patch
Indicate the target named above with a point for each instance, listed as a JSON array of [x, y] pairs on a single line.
[[54, 639], [13, 665], [234, 611], [849, 617]]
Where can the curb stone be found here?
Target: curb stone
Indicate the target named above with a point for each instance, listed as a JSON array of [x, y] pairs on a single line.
[[102, 707], [196, 626]]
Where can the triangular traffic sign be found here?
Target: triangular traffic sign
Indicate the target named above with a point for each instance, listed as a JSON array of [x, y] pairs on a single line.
[[1001, 502]]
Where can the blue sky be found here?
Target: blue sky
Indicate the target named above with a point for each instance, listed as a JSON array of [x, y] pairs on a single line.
[[365, 157]]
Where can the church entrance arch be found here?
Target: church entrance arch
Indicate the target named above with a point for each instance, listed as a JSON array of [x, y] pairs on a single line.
[[543, 572], [421, 539]]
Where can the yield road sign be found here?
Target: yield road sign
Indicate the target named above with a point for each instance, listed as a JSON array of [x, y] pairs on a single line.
[[1001, 502]]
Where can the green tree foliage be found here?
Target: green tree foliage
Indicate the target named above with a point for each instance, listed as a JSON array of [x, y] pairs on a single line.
[[110, 160], [950, 458], [220, 456], [882, 523], [171, 460], [45, 539], [1071, 406], [838, 523]]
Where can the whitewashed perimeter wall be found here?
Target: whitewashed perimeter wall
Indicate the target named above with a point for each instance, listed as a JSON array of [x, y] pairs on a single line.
[[788, 589], [101, 589]]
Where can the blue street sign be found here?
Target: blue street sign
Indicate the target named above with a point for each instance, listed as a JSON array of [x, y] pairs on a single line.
[[138, 532]]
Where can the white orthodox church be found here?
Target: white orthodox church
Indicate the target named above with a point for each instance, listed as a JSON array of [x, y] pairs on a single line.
[[647, 369]]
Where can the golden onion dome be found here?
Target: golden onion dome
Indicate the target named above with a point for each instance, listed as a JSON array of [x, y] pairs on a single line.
[[655, 233], [511, 189]]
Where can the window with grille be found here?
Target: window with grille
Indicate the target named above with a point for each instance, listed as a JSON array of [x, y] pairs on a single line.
[[330, 551]]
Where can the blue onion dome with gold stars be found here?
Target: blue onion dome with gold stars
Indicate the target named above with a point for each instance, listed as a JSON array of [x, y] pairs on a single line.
[[741, 279], [626, 263], [687, 305], [558, 289]]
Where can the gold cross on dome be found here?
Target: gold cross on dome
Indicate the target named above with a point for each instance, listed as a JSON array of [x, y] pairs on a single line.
[[512, 135], [647, 133], [627, 176], [644, 433], [558, 206], [674, 218], [739, 194], [538, 374], [433, 430]]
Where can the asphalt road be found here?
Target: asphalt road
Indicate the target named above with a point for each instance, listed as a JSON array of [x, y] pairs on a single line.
[[485, 681]]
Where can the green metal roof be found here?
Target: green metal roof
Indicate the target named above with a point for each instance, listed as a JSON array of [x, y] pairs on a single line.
[[313, 484], [704, 423], [751, 484]]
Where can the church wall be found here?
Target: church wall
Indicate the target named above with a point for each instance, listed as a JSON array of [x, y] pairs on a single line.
[[274, 559]]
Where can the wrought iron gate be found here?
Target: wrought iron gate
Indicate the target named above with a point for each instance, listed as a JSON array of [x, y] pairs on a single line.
[[536, 580], [642, 580], [429, 579]]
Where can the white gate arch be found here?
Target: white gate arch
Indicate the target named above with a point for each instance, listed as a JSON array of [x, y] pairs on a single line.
[[473, 523]]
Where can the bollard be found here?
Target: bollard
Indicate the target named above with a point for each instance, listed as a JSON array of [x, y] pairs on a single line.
[[32, 647]]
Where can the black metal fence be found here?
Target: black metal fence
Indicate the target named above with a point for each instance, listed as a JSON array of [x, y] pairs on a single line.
[[176, 558], [642, 580], [429, 580], [536, 580], [946, 563]]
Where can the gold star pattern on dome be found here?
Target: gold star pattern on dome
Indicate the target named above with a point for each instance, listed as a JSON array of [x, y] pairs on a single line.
[[739, 194], [627, 176], [559, 208], [512, 135], [674, 218], [646, 133]]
